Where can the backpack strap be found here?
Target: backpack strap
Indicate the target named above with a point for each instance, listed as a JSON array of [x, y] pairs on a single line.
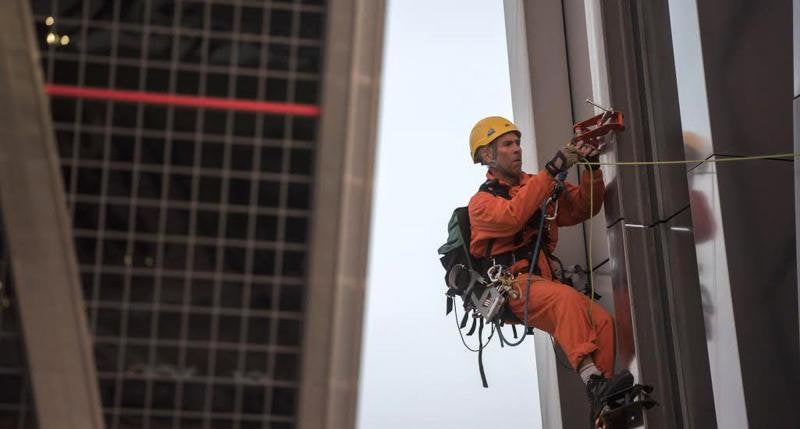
[[498, 189]]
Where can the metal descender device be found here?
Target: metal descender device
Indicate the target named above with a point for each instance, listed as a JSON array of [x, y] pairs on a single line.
[[486, 298]]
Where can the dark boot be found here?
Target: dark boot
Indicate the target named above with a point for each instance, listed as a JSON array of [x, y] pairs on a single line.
[[599, 387]]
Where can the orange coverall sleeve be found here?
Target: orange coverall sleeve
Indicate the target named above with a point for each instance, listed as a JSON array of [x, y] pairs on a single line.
[[499, 217], [573, 205]]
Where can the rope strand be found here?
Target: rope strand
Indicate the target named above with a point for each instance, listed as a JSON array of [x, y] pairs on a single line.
[[694, 161], [654, 163]]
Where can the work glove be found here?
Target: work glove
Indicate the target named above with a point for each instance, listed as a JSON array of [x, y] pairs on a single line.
[[563, 160], [590, 153]]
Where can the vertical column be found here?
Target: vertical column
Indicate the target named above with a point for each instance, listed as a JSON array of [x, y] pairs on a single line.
[[517, 31], [549, 54], [747, 51], [656, 272], [342, 201], [712, 263], [39, 239], [796, 104]]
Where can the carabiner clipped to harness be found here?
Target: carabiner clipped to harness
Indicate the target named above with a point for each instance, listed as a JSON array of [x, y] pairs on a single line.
[[554, 215], [558, 188]]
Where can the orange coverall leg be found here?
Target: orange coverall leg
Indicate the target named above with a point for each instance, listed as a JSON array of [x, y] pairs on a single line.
[[563, 312]]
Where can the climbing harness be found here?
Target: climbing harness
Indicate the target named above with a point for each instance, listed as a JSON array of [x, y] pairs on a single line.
[[484, 296]]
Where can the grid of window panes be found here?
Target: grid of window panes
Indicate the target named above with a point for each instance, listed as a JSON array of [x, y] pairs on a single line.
[[16, 405], [190, 224]]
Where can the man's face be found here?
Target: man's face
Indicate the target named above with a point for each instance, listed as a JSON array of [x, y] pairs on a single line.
[[509, 154]]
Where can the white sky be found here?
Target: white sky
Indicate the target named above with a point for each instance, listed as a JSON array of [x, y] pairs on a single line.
[[445, 66]]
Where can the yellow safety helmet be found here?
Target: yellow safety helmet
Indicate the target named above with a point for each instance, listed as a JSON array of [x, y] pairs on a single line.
[[486, 130]]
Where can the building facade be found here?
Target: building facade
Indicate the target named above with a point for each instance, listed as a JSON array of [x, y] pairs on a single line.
[[190, 137], [705, 296]]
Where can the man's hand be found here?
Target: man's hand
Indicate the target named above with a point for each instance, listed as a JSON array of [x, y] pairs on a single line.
[[585, 150], [589, 153], [565, 158]]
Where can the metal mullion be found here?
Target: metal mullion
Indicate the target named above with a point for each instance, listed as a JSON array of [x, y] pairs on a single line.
[[188, 274], [221, 415], [154, 310], [200, 275], [184, 66], [76, 135], [61, 126], [282, 202], [251, 215], [262, 244], [202, 344], [295, 178], [289, 315], [266, 28], [160, 29], [216, 278], [222, 240], [284, 6], [101, 222], [235, 208]]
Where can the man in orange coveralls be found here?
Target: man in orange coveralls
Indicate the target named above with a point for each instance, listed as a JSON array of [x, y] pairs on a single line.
[[504, 226]]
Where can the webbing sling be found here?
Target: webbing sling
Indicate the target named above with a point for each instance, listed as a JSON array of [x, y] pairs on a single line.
[[480, 354]]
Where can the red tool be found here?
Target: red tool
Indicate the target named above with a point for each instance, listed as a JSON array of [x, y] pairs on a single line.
[[591, 130]]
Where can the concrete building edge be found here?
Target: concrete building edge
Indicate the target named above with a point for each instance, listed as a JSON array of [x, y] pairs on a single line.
[[55, 377], [342, 207], [522, 105]]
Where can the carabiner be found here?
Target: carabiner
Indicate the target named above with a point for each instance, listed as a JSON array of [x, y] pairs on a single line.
[[555, 213]]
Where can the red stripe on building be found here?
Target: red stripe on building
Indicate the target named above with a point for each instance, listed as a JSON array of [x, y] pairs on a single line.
[[182, 100]]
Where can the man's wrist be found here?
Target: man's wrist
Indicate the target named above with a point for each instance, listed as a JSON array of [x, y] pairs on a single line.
[[557, 164]]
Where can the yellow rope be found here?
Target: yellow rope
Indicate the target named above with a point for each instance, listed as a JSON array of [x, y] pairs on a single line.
[[694, 161], [656, 163]]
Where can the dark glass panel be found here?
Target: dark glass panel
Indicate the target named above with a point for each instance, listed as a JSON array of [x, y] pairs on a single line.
[[242, 157], [280, 22], [278, 56], [299, 195], [212, 155], [271, 159], [264, 262], [251, 20], [276, 90], [289, 332], [311, 25], [239, 191], [304, 128], [306, 92], [308, 59], [292, 298], [274, 127], [284, 401], [236, 225], [268, 194], [207, 223], [294, 263], [266, 228], [222, 17], [244, 124], [301, 161], [177, 222], [286, 367]]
